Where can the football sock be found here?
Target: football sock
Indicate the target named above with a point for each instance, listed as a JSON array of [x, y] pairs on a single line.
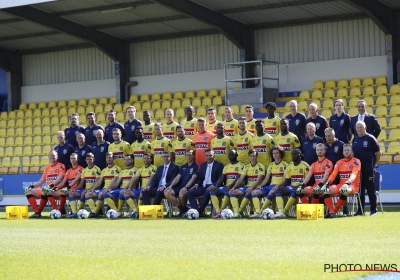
[[81, 205], [273, 204], [289, 204], [99, 206], [256, 203], [63, 200], [72, 203], [225, 202], [52, 202], [43, 202], [121, 203], [131, 203], [329, 203], [91, 204], [341, 201], [32, 202], [244, 203], [279, 203], [315, 199], [304, 200], [110, 203], [215, 203], [234, 202], [140, 202], [267, 203]]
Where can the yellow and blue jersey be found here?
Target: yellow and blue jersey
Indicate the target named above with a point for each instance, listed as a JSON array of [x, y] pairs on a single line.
[[262, 144], [120, 150], [148, 132], [253, 171], [277, 171], [180, 147], [109, 173], [169, 130], [297, 173], [251, 126], [145, 173], [138, 150], [221, 148], [90, 175], [288, 142], [232, 171], [190, 127], [211, 126], [126, 176], [272, 126], [231, 127], [158, 146], [242, 143]]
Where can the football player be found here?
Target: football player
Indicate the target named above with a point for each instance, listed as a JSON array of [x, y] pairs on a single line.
[[242, 142], [272, 123], [160, 144], [202, 141], [221, 145], [230, 124], [250, 121], [170, 125], [181, 145], [82, 149], [287, 140], [131, 124], [190, 124], [212, 120], [119, 148], [148, 127], [262, 143], [140, 147]]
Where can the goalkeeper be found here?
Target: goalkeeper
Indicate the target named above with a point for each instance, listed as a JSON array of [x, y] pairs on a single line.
[[349, 170]]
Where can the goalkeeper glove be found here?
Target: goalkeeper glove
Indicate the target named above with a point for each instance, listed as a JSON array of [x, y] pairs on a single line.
[[27, 189], [325, 188], [52, 187], [316, 190], [299, 190], [64, 190], [344, 189]]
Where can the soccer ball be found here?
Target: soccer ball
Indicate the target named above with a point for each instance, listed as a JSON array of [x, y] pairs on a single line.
[[55, 214], [267, 214], [112, 214], [226, 214], [192, 214], [83, 214]]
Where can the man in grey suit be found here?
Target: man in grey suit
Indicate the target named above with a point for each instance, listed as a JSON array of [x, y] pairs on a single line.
[[370, 121]]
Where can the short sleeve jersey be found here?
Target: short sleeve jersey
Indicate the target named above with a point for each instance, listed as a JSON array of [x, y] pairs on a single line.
[[187, 173], [242, 143], [71, 132], [157, 147], [81, 152], [129, 127], [288, 142], [341, 125], [319, 168], [272, 126], [345, 168], [231, 127], [309, 146], [231, 171], [51, 172], [221, 148], [334, 152], [190, 127], [126, 176], [90, 175], [277, 171], [138, 149], [169, 130], [64, 153], [148, 132], [145, 173], [252, 172], [364, 148], [251, 126], [180, 147], [109, 173], [90, 133], [297, 173], [202, 142], [297, 124], [73, 173], [262, 144], [120, 150], [99, 152], [108, 136], [320, 125], [211, 126]]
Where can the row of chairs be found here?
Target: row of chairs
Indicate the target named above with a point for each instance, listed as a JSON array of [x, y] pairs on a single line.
[[70, 103], [29, 141], [157, 96], [354, 82], [178, 103], [33, 165], [27, 151]]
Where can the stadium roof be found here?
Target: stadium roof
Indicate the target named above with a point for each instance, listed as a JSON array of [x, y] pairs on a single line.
[[71, 24]]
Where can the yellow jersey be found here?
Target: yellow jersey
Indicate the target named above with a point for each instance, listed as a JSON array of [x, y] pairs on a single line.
[[262, 144], [90, 175], [145, 173], [120, 150], [109, 173], [277, 171], [211, 126], [297, 173], [251, 126], [252, 172], [126, 176], [232, 171], [272, 126], [242, 143], [288, 142], [231, 127], [158, 146], [169, 130], [190, 127], [221, 148], [138, 150], [148, 132], [180, 147]]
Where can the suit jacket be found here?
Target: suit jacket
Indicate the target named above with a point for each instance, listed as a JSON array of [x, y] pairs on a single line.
[[371, 122], [216, 172], [172, 172]]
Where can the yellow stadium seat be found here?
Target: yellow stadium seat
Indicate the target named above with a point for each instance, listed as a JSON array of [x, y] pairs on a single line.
[[235, 109], [370, 111], [82, 102], [62, 104], [35, 161], [46, 140], [201, 112], [207, 102], [37, 113], [1, 152], [64, 120], [9, 152], [381, 90], [213, 92], [201, 93], [17, 151], [196, 102], [28, 131], [72, 103], [28, 113], [180, 113], [103, 100], [353, 102], [2, 142], [223, 92], [108, 107], [176, 103], [63, 111], [178, 95], [382, 147], [102, 117], [32, 105], [89, 108], [23, 106], [20, 114], [167, 104], [12, 115], [45, 121], [137, 105], [186, 102], [394, 100], [47, 149], [144, 97], [221, 111], [37, 140], [355, 82], [343, 83], [316, 94], [52, 104], [369, 100], [46, 112], [19, 141], [217, 101], [3, 123], [26, 161], [6, 162], [99, 109], [20, 123], [146, 105], [3, 170], [156, 96], [319, 84], [342, 93], [37, 122], [27, 151], [81, 110], [113, 100], [10, 132], [34, 170], [54, 140], [329, 94], [159, 114], [330, 84], [242, 109], [354, 92], [10, 142], [381, 111], [368, 91], [396, 159], [3, 131], [368, 81], [302, 106], [28, 141], [133, 98], [167, 95], [304, 95], [37, 131], [155, 105], [382, 136], [394, 89], [394, 123], [189, 94], [352, 111], [11, 124], [380, 80], [385, 159], [328, 104], [381, 101], [4, 116], [118, 108], [42, 105], [13, 170], [71, 110], [37, 151], [394, 136], [120, 118]]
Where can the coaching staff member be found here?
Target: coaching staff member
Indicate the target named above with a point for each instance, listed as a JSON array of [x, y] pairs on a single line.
[[370, 121]]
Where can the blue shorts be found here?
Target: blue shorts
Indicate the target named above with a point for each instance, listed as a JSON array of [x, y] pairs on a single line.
[[136, 192], [98, 191], [222, 189], [243, 189], [265, 190], [79, 192], [115, 192]]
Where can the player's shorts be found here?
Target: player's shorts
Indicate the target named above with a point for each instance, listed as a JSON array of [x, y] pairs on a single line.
[[39, 191], [283, 191], [310, 190], [336, 189], [115, 192], [265, 190], [79, 192], [243, 189], [221, 190], [98, 191], [136, 192]]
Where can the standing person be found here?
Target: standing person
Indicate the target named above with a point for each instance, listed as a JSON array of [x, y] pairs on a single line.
[[119, 149], [64, 150], [180, 146], [341, 123], [242, 142], [272, 123], [250, 121], [161, 144], [212, 120], [334, 147], [230, 124], [287, 140], [262, 143], [148, 127], [370, 121], [190, 124], [366, 149], [202, 140], [112, 123], [72, 130], [170, 125], [131, 124], [297, 120], [82, 149], [310, 143], [100, 149], [140, 147], [221, 145], [90, 130], [320, 122]]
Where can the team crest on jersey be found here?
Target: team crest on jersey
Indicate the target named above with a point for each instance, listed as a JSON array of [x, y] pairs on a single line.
[[76, 132], [132, 128], [101, 149], [206, 138], [191, 170], [365, 144], [336, 149], [355, 163], [142, 148], [236, 169], [150, 129], [223, 143], [297, 122], [252, 126], [317, 125], [231, 126], [83, 153], [323, 168], [288, 140], [121, 148], [246, 139], [192, 125], [93, 173], [264, 141], [184, 145], [131, 173], [314, 145], [172, 129], [65, 151], [301, 170], [256, 171], [162, 144], [55, 170], [341, 122], [112, 172], [280, 169]]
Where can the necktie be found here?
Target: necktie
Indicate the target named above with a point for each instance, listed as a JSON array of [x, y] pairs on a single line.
[[208, 174], [162, 177]]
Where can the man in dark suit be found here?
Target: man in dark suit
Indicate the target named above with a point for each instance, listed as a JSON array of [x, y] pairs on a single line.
[[370, 121], [210, 171], [165, 174]]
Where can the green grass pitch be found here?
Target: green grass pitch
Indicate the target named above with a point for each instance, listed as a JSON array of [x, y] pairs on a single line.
[[199, 249]]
